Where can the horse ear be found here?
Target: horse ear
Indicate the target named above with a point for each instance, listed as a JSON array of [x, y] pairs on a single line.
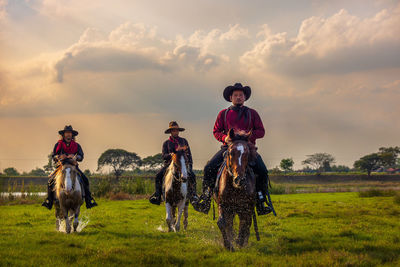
[[231, 134]]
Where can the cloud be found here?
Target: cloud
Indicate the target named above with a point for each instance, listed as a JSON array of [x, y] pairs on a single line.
[[341, 43], [132, 47], [3, 11]]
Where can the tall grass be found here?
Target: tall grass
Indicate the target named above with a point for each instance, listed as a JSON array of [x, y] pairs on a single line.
[[377, 193]]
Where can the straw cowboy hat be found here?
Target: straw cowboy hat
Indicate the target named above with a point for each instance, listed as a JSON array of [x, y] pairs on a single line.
[[173, 125], [68, 128]]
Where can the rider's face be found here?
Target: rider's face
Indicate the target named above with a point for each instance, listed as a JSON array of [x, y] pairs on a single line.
[[68, 136], [238, 98], [174, 133]]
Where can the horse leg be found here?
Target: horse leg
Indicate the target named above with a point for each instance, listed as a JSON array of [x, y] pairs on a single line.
[[244, 228], [186, 215], [169, 217], [58, 216], [222, 225], [181, 207], [229, 228], [76, 219], [67, 223]]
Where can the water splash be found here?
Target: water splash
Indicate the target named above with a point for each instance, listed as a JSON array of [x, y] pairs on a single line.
[[83, 222]]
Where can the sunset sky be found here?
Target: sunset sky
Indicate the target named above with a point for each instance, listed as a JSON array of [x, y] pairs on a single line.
[[325, 75]]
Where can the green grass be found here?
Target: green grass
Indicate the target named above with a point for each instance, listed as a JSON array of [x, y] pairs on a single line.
[[326, 229]]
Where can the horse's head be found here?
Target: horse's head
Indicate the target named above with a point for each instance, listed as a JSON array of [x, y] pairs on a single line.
[[239, 153], [179, 160], [69, 173]]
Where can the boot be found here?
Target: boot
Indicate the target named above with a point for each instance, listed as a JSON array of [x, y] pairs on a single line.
[[192, 195], [261, 208], [48, 203], [204, 202], [89, 200], [156, 197]]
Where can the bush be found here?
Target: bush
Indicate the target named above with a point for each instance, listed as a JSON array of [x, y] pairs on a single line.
[[277, 189], [102, 188], [377, 193]]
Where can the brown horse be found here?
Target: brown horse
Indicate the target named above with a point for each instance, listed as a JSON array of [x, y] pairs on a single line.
[[236, 190], [176, 189], [69, 196]]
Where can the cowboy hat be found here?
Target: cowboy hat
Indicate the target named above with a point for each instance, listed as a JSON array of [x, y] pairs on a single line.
[[68, 128], [173, 125], [238, 86]]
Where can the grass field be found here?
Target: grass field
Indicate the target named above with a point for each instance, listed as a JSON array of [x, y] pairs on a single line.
[[325, 229]]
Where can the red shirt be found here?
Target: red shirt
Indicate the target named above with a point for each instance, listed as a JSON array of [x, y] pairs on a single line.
[[251, 122]]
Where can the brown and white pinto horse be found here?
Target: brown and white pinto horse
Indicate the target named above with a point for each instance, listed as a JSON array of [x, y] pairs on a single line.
[[69, 195], [236, 190], [176, 190]]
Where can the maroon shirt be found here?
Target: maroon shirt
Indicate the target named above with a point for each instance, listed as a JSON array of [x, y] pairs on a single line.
[[250, 122]]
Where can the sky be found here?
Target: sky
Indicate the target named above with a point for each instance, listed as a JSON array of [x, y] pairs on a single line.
[[325, 75]]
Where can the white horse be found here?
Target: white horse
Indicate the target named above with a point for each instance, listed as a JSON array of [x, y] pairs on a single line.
[[69, 194], [176, 189]]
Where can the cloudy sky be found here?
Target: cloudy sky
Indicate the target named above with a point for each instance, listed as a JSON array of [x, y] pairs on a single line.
[[325, 75]]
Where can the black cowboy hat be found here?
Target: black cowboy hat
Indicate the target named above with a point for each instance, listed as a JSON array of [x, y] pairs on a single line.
[[238, 86], [68, 128], [173, 125]]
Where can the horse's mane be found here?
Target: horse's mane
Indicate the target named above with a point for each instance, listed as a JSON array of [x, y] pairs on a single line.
[[169, 176]]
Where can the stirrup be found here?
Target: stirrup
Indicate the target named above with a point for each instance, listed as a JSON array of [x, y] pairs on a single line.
[[262, 209]]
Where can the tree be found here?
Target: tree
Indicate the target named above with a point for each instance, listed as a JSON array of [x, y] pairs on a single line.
[[320, 161], [87, 173], [37, 172], [287, 164], [340, 168], [119, 160], [153, 162], [11, 171], [388, 156], [50, 166], [368, 163]]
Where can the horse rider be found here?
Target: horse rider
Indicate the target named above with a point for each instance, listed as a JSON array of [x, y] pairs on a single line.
[[67, 150], [172, 145], [242, 119]]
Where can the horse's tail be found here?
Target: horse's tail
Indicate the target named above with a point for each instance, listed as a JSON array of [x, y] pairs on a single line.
[[169, 177]]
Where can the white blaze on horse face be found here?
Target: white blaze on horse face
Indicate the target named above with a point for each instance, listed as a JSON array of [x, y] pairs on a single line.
[[241, 149], [183, 167], [68, 181]]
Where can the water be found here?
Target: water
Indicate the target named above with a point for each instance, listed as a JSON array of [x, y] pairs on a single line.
[[19, 194], [83, 222]]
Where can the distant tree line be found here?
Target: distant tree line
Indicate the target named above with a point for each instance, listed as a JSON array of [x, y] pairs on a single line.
[[386, 159], [120, 161]]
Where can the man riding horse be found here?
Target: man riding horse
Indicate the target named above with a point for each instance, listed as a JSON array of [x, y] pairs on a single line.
[[172, 145], [66, 150], [243, 120]]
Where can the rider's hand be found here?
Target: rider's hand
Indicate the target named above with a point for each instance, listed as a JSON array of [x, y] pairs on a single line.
[[62, 157], [70, 156], [227, 139]]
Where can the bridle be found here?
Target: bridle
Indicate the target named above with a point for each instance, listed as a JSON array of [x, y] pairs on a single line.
[[227, 158], [176, 175]]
